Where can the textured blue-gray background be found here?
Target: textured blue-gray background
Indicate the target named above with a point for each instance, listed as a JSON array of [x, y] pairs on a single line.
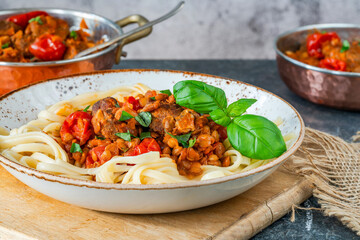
[[211, 29]]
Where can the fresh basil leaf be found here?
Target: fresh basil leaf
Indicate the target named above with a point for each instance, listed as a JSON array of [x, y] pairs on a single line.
[[345, 46], [182, 139], [145, 135], [75, 147], [87, 108], [167, 91], [192, 142], [323, 32], [125, 116], [199, 96], [73, 34], [220, 117], [101, 138], [256, 137], [144, 118], [6, 45], [36, 19], [117, 104], [126, 136], [153, 98], [239, 107]]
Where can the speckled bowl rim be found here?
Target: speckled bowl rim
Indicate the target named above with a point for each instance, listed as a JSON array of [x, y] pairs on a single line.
[[112, 186], [307, 66]]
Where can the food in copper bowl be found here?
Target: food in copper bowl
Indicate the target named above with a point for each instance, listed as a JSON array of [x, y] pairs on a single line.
[[328, 50], [322, 63], [38, 44]]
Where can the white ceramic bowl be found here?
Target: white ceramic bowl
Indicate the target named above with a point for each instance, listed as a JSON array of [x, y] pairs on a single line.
[[23, 105]]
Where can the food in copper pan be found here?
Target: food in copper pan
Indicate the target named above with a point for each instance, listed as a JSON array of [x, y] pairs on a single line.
[[328, 50]]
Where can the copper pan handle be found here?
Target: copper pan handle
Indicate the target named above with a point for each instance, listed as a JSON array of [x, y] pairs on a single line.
[[140, 20]]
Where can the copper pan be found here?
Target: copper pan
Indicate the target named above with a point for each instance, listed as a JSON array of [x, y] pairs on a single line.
[[15, 75], [331, 88]]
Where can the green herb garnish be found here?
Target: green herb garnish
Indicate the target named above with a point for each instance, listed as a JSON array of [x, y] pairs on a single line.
[[117, 104], [182, 139], [87, 108], [5, 45], [75, 147], [126, 136], [125, 116], [101, 138], [192, 142], [144, 118], [144, 135], [167, 91], [253, 136], [36, 19], [153, 98], [73, 34], [345, 46]]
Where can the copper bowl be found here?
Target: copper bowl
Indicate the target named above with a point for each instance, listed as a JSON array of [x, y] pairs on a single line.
[[318, 85], [15, 74]]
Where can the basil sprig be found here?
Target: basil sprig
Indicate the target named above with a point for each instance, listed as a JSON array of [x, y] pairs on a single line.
[[144, 135], [199, 96], [253, 136]]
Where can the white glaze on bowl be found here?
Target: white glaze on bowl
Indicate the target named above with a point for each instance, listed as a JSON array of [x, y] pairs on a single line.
[[23, 105]]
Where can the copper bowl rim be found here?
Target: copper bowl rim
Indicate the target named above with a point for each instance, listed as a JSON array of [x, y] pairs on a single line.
[[113, 186], [311, 27], [61, 62]]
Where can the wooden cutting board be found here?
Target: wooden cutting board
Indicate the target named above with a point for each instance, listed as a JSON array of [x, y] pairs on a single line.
[[27, 214]]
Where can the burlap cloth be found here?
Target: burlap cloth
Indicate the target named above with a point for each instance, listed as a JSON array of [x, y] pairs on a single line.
[[333, 166]]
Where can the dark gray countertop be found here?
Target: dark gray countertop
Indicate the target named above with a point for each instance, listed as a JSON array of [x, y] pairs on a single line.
[[263, 73]]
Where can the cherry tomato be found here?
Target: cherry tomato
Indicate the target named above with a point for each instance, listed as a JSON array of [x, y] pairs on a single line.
[[314, 42], [48, 47], [90, 162], [78, 124], [147, 145], [23, 19], [135, 103], [333, 64]]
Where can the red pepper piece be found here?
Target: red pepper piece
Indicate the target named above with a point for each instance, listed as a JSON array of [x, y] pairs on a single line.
[[48, 47], [78, 124], [314, 42], [333, 64], [23, 19]]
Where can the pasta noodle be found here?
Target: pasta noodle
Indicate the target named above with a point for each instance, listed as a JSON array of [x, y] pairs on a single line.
[[36, 145]]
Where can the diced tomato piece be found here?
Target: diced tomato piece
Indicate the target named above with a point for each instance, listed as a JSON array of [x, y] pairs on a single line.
[[78, 124], [147, 145], [135, 103], [333, 64], [90, 162]]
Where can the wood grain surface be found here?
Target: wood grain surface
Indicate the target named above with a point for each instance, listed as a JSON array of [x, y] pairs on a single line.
[[27, 214]]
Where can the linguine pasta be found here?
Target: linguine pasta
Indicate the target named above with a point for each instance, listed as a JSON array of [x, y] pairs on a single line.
[[36, 145]]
